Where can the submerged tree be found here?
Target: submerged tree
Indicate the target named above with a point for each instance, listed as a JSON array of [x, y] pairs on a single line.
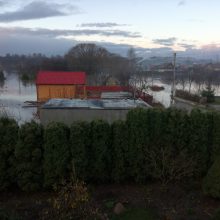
[[2, 77]]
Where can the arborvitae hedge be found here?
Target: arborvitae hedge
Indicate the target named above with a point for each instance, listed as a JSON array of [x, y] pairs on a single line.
[[8, 140], [168, 145], [199, 140], [100, 152], [29, 157], [216, 136], [120, 160], [79, 147], [56, 153], [139, 141], [211, 183]]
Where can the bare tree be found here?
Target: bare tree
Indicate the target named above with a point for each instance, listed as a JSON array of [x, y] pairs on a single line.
[[89, 58], [99, 64]]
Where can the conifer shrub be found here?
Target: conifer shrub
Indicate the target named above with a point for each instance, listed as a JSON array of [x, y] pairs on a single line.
[[79, 147], [209, 93], [8, 139], [176, 129], [199, 140], [28, 156], [215, 151], [100, 152], [56, 153], [211, 183], [139, 141], [120, 158]]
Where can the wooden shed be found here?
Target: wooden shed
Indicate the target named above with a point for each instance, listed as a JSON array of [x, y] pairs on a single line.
[[59, 84]]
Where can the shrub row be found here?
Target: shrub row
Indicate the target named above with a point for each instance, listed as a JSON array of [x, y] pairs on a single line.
[[166, 145], [187, 95]]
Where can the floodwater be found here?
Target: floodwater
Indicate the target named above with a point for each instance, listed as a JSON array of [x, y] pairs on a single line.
[[162, 96], [13, 94]]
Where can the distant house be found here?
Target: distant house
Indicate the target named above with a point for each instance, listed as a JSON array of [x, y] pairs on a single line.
[[59, 84]]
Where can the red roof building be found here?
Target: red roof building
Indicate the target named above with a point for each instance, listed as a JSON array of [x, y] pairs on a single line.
[[60, 84], [61, 78]]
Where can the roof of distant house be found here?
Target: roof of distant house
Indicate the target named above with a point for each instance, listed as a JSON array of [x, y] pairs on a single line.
[[60, 78]]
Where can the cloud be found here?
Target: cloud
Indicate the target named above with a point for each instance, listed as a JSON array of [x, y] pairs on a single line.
[[37, 10], [2, 3], [25, 44], [64, 33], [181, 3], [29, 45], [51, 46], [102, 25], [165, 42], [187, 46]]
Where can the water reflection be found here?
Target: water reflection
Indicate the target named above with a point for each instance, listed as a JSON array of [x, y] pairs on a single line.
[[13, 94], [2, 83]]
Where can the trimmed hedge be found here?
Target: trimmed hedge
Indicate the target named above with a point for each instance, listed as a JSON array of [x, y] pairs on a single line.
[[80, 136], [56, 154], [166, 145], [120, 160], [138, 143], [211, 183], [8, 140], [100, 152], [29, 157]]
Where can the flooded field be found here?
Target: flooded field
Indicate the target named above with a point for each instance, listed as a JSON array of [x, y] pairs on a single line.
[[13, 94]]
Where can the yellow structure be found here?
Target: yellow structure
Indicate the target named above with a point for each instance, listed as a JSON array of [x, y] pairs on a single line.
[[52, 84]]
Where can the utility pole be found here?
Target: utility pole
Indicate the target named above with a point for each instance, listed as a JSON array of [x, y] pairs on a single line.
[[174, 78]]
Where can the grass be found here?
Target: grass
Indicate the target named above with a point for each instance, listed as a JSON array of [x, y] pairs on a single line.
[[136, 214]]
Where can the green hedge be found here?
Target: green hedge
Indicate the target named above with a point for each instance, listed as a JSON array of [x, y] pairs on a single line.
[[166, 145], [56, 154], [80, 136], [8, 140], [29, 157], [120, 160], [100, 151], [211, 183]]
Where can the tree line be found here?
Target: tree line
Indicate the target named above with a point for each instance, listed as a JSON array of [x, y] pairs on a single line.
[[192, 79], [96, 61], [151, 145]]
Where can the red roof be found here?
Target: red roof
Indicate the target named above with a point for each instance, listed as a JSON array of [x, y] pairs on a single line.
[[60, 78]]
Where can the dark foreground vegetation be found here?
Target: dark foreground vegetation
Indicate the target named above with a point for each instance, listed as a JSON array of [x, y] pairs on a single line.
[[171, 155]]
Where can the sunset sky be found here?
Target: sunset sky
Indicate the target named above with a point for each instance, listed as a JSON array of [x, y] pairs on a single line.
[[152, 26]]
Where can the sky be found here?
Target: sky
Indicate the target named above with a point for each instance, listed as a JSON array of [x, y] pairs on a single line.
[[152, 27]]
